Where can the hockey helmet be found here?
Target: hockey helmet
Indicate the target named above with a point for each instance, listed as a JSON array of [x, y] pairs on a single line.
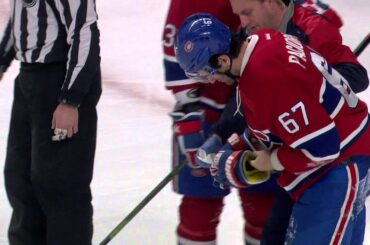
[[199, 38]]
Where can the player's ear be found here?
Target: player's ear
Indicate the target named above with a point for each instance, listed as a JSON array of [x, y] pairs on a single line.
[[224, 62]]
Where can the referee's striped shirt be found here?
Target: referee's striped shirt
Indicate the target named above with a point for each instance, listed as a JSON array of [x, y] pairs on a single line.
[[46, 31]]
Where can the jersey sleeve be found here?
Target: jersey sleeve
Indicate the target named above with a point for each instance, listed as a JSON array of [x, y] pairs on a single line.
[[7, 52], [304, 125], [80, 21], [323, 9], [324, 37]]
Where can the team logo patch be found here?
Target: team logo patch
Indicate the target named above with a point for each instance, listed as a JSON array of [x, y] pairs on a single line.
[[29, 3], [188, 47]]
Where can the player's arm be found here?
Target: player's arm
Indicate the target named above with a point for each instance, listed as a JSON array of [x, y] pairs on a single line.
[[304, 125], [355, 74], [323, 9], [7, 52], [327, 40], [84, 51], [304, 142], [188, 130]]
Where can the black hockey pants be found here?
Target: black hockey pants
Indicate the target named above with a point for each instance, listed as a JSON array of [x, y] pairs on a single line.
[[48, 183]]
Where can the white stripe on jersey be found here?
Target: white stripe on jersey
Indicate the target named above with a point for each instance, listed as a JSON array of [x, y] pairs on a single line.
[[175, 83], [299, 178], [9, 44], [312, 135], [212, 103], [32, 30], [183, 97], [17, 29], [322, 90], [320, 159], [185, 241], [170, 58], [337, 108], [344, 217], [51, 35], [354, 133]]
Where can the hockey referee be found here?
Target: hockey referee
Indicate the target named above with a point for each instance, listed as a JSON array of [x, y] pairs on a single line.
[[52, 135]]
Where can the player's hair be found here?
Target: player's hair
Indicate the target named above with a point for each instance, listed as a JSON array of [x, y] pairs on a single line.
[[237, 40], [285, 2]]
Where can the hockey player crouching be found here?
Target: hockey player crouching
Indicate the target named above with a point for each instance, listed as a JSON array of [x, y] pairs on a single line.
[[312, 127]]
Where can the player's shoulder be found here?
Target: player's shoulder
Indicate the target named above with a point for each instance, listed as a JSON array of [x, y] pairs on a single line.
[[315, 26], [306, 18], [265, 57], [321, 9], [278, 56], [271, 48]]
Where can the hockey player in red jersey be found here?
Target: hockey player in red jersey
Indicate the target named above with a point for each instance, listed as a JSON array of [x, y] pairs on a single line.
[[312, 127], [311, 25], [198, 107], [315, 24]]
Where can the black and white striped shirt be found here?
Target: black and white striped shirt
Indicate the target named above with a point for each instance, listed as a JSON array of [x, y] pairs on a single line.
[[46, 31]]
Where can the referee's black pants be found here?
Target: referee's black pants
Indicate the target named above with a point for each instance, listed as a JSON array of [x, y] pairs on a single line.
[[47, 182]]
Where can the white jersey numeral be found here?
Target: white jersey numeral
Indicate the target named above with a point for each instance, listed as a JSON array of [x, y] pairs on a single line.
[[335, 79], [290, 125], [169, 38]]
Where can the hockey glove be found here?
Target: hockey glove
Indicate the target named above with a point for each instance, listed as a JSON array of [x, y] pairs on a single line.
[[239, 142], [233, 168], [188, 131], [208, 150]]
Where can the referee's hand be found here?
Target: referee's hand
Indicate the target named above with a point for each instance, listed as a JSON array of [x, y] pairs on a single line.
[[65, 122]]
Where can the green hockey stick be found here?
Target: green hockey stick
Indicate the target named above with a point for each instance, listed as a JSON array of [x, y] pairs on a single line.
[[143, 203]]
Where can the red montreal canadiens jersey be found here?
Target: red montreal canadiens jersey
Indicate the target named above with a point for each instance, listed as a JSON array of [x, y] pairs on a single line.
[[301, 108], [213, 97], [322, 36], [322, 9]]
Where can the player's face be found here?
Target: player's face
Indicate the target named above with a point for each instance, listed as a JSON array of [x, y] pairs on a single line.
[[256, 14]]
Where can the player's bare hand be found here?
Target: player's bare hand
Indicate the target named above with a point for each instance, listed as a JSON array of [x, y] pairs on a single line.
[[64, 122], [262, 161]]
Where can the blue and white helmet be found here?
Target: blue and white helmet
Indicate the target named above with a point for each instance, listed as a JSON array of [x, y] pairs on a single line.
[[199, 38]]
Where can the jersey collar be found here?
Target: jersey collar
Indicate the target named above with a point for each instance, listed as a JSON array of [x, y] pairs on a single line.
[[252, 41]]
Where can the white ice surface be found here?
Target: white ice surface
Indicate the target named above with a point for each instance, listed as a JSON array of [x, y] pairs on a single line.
[[133, 151]]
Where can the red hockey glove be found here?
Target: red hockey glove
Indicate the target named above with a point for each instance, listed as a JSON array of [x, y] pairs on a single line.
[[188, 130], [232, 164]]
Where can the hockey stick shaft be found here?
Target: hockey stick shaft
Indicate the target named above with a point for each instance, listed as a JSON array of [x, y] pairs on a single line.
[[143, 203], [363, 44]]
